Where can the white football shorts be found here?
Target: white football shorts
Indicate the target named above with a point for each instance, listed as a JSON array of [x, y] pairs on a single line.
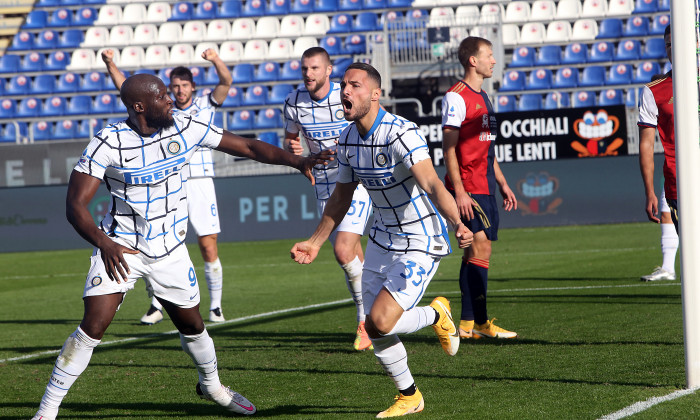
[[663, 205], [201, 205], [171, 278], [405, 275], [357, 216]]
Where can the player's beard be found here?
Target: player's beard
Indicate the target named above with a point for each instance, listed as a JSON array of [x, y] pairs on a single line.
[[160, 122], [359, 110]]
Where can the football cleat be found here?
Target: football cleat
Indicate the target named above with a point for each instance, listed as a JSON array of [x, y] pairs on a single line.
[[404, 405], [215, 315], [229, 399], [38, 416], [153, 316], [491, 330], [465, 329], [445, 327], [362, 341], [659, 274]]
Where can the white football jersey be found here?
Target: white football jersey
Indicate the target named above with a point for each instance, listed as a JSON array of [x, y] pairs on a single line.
[[202, 163], [320, 123], [405, 220], [146, 178]]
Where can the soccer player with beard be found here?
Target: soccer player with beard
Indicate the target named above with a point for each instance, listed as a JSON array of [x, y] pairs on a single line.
[[142, 160], [201, 194], [315, 113], [390, 157]]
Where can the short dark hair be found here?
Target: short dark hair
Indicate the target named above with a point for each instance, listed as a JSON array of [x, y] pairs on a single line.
[[469, 47], [667, 31], [314, 51], [182, 73], [367, 68]]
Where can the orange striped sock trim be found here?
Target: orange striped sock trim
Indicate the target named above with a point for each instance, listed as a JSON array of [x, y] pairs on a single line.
[[480, 262]]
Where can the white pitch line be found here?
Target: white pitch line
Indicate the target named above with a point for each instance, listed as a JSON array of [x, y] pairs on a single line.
[[638, 407]]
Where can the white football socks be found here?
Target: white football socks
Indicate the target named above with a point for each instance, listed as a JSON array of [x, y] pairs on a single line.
[[392, 356], [413, 320], [353, 278], [215, 282], [71, 362], [200, 347], [156, 303], [669, 246]]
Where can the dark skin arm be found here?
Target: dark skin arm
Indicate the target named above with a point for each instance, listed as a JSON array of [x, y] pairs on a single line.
[[81, 189]]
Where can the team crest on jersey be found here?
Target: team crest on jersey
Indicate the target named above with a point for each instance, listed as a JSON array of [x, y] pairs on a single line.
[[96, 281], [381, 159], [339, 114], [174, 147]]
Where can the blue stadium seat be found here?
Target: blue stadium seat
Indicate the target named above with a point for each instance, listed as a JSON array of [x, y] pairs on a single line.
[[2, 86], [636, 26], [530, 102], [278, 7], [8, 133], [279, 92], [85, 16], [29, 107], [119, 107], [326, 6], [47, 3], [113, 120], [350, 5], [539, 79], [548, 55], [64, 130], [243, 73], [164, 75], [332, 44], [255, 95], [36, 19], [646, 6], [253, 8], [654, 48], [43, 83], [84, 129], [505, 103], [57, 60], [610, 28], [143, 71], [601, 51], [241, 120], [42, 130], [627, 50], [416, 18], [523, 57], [219, 119], [182, 11], [22, 40], [611, 97], [582, 99], [513, 80], [632, 97], [9, 63], [93, 81], [211, 77], [104, 103], [268, 118], [55, 105], [659, 24], [339, 67], [233, 98], [291, 70], [592, 76], [374, 4], [61, 17], [267, 71], [206, 10], [575, 53], [67, 82], [18, 85], [197, 75], [46, 39], [33, 62], [230, 9], [355, 44], [79, 105], [566, 77], [392, 18], [340, 23], [556, 100], [71, 38], [399, 4], [304, 6], [270, 137], [664, 5], [619, 74], [8, 108], [645, 70]]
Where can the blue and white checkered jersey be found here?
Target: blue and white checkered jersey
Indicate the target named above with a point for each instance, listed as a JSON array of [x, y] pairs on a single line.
[[202, 163], [405, 220], [320, 123], [146, 178]]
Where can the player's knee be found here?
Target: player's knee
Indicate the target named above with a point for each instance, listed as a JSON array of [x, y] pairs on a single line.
[[372, 331], [379, 325], [94, 328]]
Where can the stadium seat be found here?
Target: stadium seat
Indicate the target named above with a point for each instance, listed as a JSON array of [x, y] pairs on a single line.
[[104, 104], [664, 5], [230, 9], [355, 44], [374, 4], [467, 15], [255, 95], [243, 28], [278, 7], [267, 27], [29, 107], [279, 92], [302, 44], [601, 51], [317, 24], [8, 108], [332, 44], [253, 8], [365, 22], [645, 70], [120, 35], [568, 9], [517, 12], [64, 130], [510, 34], [61, 17], [36, 19], [326, 6], [79, 105], [392, 19], [291, 70], [491, 14], [548, 55], [627, 50], [218, 30], [632, 97], [32, 62], [539, 79], [9, 133], [305, 7], [565, 77], [9, 63], [41, 130], [55, 105], [22, 40], [556, 100], [267, 71], [621, 7], [279, 49], [85, 16], [582, 99], [291, 26], [636, 26], [211, 77], [532, 33], [350, 5], [182, 11], [231, 51], [197, 75], [575, 53], [594, 8], [659, 24], [43, 83], [270, 137], [610, 97], [340, 23], [243, 73], [610, 28], [441, 17], [2, 86], [109, 15], [619, 74], [233, 97], [241, 120], [530, 102], [158, 12], [592, 76], [199, 50], [513, 80], [93, 81], [134, 14], [132, 57], [193, 31], [268, 118], [156, 56], [67, 82], [646, 6], [18, 85], [417, 18], [654, 48], [47, 39], [543, 10], [96, 36], [206, 10], [71, 38], [558, 31], [584, 30], [339, 67], [146, 33], [181, 54], [505, 103]]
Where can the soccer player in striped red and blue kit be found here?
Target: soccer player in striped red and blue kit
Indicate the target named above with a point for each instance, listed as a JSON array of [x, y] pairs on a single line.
[[469, 132]]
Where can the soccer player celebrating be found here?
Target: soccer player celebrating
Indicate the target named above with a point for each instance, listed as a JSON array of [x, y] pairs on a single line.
[[389, 156], [315, 111], [469, 131], [142, 161], [201, 194]]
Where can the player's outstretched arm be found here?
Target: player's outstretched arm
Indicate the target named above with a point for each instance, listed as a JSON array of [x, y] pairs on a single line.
[[262, 152], [81, 190], [225, 78], [646, 165], [114, 73]]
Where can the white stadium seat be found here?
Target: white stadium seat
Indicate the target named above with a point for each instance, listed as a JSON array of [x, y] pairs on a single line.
[[532, 33], [181, 54], [302, 44], [82, 59], [568, 9], [517, 12], [121, 35], [543, 10], [156, 56], [169, 32], [243, 28], [218, 30], [291, 26], [280, 48], [200, 48], [146, 33], [194, 31], [109, 14], [267, 27], [467, 15], [317, 24], [256, 49], [558, 31], [134, 13], [510, 34], [594, 8], [132, 56], [491, 14], [231, 51], [96, 36], [620, 8], [158, 12], [441, 16], [584, 30]]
